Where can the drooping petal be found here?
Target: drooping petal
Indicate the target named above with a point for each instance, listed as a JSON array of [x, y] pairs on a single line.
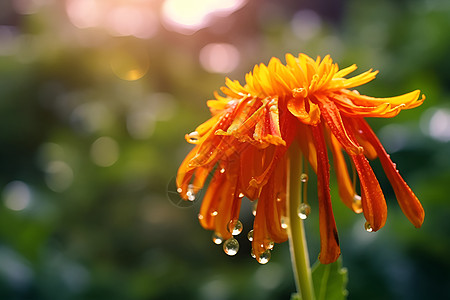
[[407, 200], [276, 204], [345, 184], [329, 246], [211, 201], [373, 202]]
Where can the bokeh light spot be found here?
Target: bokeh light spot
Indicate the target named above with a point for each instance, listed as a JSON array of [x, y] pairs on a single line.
[[439, 127], [219, 58], [59, 176], [16, 195], [129, 20], [105, 151], [306, 24], [189, 16], [130, 65], [84, 13], [435, 122]]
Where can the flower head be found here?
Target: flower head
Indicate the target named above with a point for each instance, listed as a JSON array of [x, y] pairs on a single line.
[[244, 145]]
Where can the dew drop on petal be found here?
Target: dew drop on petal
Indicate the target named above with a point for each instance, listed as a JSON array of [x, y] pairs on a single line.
[[231, 246], [241, 195], [304, 177], [190, 193], [269, 244], [264, 257], [193, 137], [235, 227], [217, 238], [179, 190], [284, 222], [250, 235], [252, 253], [303, 210], [254, 207], [222, 170], [357, 204], [368, 227]]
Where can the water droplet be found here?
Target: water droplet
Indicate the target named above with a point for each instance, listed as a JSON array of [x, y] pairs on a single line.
[[264, 257], [368, 227], [217, 238], [284, 222], [222, 170], [241, 195], [269, 244], [273, 108], [235, 227], [193, 137], [190, 193], [200, 216], [303, 210], [231, 246], [357, 204], [252, 253], [214, 213], [254, 207], [250, 235], [304, 177], [179, 190]]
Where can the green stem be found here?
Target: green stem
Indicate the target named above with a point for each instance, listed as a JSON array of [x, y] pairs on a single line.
[[296, 230]]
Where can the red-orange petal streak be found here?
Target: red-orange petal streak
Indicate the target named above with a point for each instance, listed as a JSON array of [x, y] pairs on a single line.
[[407, 200], [372, 198], [329, 246]]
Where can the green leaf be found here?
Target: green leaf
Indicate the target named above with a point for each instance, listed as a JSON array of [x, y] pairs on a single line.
[[330, 281]]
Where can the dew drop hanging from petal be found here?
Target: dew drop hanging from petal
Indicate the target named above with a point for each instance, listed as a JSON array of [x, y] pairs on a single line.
[[368, 227], [254, 207], [235, 227], [303, 210], [284, 222], [264, 257], [217, 238], [231, 246], [193, 137], [250, 235], [190, 193], [304, 178]]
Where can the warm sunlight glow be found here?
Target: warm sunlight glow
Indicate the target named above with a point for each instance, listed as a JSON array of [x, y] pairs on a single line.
[[189, 16], [118, 18]]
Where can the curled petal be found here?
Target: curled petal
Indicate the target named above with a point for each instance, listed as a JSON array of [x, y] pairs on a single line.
[[333, 119], [297, 107]]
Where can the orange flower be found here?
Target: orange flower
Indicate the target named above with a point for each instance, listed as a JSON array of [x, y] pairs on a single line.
[[244, 145]]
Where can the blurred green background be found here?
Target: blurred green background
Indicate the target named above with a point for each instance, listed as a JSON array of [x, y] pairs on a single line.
[[95, 99]]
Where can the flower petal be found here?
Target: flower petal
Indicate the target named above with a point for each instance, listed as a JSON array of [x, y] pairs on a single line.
[[329, 245], [373, 202], [407, 200], [347, 192], [333, 119]]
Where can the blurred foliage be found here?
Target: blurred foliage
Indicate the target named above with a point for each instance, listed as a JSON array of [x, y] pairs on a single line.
[[93, 132]]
